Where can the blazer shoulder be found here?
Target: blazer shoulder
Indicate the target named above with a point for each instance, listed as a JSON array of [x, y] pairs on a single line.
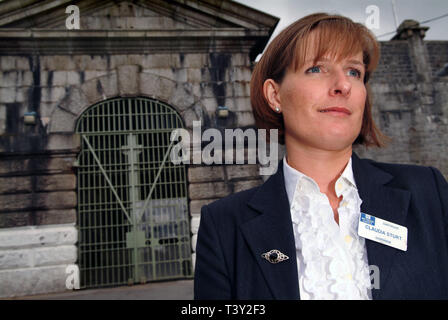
[[405, 172], [234, 199], [231, 205], [418, 179]]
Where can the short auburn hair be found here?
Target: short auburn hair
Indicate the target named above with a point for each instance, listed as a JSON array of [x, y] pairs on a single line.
[[338, 36]]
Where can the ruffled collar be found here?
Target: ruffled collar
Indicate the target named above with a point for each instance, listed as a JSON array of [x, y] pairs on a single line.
[[332, 257]]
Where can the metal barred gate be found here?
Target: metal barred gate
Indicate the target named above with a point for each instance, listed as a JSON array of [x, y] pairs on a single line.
[[133, 216]]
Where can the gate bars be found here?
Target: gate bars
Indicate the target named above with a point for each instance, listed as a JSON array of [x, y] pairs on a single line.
[[133, 217]]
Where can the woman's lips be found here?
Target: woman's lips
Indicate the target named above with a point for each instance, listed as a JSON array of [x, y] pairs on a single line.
[[336, 110]]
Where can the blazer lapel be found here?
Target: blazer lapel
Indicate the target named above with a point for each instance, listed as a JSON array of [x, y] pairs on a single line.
[[384, 202], [272, 229]]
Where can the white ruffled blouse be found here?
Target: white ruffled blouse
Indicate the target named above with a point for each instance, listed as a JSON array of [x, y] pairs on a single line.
[[331, 258]]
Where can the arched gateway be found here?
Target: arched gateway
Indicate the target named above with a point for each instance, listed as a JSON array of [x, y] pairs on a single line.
[[133, 216]]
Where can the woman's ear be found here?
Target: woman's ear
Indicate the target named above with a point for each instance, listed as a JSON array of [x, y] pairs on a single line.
[[271, 91]]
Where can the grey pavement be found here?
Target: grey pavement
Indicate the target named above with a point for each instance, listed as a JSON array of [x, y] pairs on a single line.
[[167, 290]]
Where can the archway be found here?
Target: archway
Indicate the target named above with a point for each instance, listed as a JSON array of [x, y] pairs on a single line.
[[133, 216]]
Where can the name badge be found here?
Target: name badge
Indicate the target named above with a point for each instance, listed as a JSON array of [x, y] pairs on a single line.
[[382, 231]]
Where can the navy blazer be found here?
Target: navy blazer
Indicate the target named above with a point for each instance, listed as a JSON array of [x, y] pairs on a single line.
[[236, 230]]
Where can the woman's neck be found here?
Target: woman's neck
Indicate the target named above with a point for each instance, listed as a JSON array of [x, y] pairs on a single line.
[[323, 166]]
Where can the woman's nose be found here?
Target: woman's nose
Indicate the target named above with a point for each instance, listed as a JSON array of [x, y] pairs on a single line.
[[341, 85]]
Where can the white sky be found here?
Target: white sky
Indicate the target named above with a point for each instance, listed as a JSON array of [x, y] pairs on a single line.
[[420, 10]]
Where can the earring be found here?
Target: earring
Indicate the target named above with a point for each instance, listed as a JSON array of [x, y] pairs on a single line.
[[277, 109]]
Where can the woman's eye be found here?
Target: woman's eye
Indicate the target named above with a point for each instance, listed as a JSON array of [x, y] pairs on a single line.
[[315, 69], [355, 73]]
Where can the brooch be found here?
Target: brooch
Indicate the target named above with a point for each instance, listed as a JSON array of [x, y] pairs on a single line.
[[275, 256]]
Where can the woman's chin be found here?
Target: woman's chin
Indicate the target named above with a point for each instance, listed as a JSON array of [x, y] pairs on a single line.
[[335, 142]]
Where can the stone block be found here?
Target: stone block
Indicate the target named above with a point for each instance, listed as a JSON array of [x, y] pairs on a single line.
[[22, 63], [57, 164], [207, 90], [210, 104], [7, 63], [38, 218], [22, 94], [13, 202], [15, 184], [196, 205], [59, 78], [30, 281], [109, 85], [61, 254], [239, 104], [210, 190], [240, 59], [93, 90], [242, 171], [238, 89], [73, 78], [195, 221], [240, 74], [194, 240], [180, 75], [19, 165], [156, 87], [182, 97], [89, 62], [194, 75], [245, 119], [128, 79], [205, 174], [195, 60], [36, 257], [75, 101], [59, 182], [61, 216], [57, 62], [248, 184], [64, 141], [57, 200], [160, 60], [92, 74], [62, 121], [2, 118], [8, 79], [26, 78], [7, 95], [37, 236], [39, 200], [14, 219], [52, 94], [193, 260], [162, 72], [192, 114], [10, 259]]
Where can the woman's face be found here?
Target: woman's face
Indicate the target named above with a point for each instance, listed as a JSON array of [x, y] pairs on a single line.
[[323, 103]]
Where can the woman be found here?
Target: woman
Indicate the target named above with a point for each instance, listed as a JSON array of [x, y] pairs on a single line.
[[327, 224]]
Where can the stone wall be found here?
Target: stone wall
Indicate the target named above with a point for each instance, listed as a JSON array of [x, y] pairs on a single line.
[[192, 56], [34, 259], [410, 102], [210, 183], [37, 178]]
